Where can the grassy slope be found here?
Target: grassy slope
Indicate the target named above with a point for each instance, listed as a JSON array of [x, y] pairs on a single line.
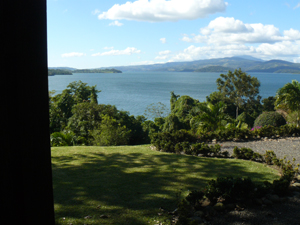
[[131, 183]]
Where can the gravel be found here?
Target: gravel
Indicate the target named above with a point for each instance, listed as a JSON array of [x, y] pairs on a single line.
[[289, 147]]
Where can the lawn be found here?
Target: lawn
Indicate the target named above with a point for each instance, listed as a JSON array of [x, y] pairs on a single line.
[[130, 183]]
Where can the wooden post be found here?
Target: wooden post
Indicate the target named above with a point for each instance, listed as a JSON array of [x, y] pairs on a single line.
[[26, 176]]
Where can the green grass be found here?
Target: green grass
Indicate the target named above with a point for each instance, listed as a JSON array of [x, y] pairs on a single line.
[[131, 183]]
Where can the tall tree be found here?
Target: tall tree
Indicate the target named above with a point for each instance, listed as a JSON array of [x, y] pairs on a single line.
[[288, 98], [239, 86], [210, 116]]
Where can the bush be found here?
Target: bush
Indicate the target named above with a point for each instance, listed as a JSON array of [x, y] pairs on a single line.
[[269, 118], [63, 139], [246, 153], [229, 188]]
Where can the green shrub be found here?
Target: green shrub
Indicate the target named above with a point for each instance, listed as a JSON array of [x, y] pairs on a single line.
[[229, 188], [247, 153], [269, 118], [270, 157], [166, 141], [63, 139]]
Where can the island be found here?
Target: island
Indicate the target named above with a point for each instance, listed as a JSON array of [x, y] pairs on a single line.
[[52, 72], [97, 71]]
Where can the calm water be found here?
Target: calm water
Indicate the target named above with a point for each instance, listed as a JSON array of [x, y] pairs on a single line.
[[133, 92]]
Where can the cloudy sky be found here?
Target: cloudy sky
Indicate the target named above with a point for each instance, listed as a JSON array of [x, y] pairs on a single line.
[[102, 33]]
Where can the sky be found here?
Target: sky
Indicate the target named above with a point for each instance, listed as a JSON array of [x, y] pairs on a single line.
[[107, 33]]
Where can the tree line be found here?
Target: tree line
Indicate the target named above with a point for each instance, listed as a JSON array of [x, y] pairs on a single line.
[[76, 117]]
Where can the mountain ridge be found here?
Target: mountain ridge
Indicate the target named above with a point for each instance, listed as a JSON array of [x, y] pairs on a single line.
[[246, 63]]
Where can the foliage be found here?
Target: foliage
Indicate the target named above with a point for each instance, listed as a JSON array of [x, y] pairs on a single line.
[[166, 141], [292, 118], [288, 98], [239, 87], [229, 188], [247, 153], [183, 107], [269, 104], [110, 133], [211, 117], [217, 96], [270, 118], [157, 110], [61, 105], [64, 139], [172, 123]]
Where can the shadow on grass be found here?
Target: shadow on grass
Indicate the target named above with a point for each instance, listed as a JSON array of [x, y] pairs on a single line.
[[131, 187]]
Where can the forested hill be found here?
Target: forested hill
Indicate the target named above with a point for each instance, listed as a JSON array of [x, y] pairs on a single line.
[[248, 64], [66, 71], [52, 72], [97, 71]]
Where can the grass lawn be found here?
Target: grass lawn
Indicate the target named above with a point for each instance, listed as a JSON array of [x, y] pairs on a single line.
[[130, 183]]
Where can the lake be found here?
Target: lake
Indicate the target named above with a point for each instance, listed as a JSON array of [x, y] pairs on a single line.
[[134, 91]]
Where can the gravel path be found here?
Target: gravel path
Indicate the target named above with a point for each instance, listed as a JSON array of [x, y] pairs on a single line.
[[289, 147]]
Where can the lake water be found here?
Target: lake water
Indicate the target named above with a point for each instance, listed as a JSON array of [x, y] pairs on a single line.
[[134, 91]]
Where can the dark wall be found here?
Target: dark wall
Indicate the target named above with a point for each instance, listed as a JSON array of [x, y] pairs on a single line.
[[26, 177]]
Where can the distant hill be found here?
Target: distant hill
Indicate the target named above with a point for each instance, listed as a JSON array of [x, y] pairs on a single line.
[[214, 69], [246, 63], [97, 71], [52, 72], [276, 66]]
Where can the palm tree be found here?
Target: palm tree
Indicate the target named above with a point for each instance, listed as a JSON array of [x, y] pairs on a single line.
[[288, 98], [210, 116]]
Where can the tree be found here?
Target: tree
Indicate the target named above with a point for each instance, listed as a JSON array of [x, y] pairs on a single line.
[[210, 116], [156, 110], [81, 92], [288, 98], [61, 105], [110, 132], [268, 104], [239, 87]]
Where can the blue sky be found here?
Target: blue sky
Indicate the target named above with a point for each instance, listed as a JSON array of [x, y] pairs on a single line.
[[97, 33]]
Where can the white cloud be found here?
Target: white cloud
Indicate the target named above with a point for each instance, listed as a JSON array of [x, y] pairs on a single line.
[[127, 51], [204, 52], [292, 34], [108, 48], [163, 40], [227, 30], [166, 52], [116, 23], [163, 55], [96, 11], [163, 10], [285, 48], [297, 6], [73, 54]]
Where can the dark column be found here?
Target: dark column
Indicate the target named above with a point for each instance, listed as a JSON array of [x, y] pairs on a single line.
[[26, 177]]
